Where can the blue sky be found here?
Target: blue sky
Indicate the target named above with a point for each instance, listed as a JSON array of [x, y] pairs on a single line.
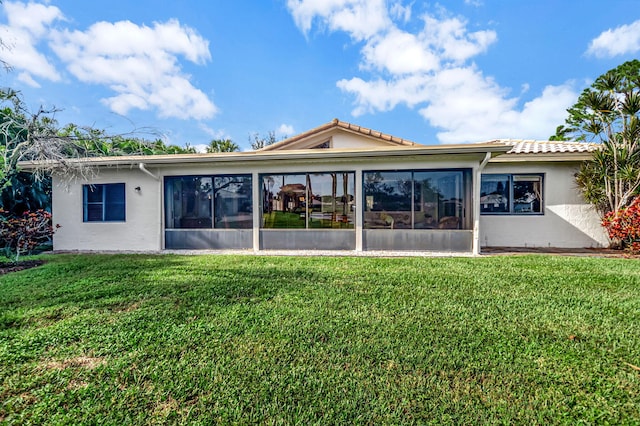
[[433, 72]]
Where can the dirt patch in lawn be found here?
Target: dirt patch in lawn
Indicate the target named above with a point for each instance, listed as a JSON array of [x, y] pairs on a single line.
[[77, 362], [7, 267]]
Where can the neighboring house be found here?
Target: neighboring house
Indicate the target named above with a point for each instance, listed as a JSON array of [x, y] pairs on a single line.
[[338, 186]]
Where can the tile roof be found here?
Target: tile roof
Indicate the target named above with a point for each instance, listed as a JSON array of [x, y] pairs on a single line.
[[374, 133], [521, 146], [335, 123]]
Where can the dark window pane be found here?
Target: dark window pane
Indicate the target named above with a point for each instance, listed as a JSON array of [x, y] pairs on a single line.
[[439, 200], [527, 194], [284, 201], [94, 213], [93, 193], [323, 145], [494, 194], [233, 202], [172, 187], [114, 212], [331, 200], [388, 199], [114, 193], [512, 194], [104, 202], [313, 200], [188, 202]]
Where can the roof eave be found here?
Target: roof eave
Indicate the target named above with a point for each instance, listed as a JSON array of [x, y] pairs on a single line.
[[545, 156], [290, 155]]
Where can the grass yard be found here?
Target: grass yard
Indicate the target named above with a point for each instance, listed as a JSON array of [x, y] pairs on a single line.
[[138, 339]]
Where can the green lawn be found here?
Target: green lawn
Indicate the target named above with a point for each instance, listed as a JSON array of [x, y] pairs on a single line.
[[120, 339]]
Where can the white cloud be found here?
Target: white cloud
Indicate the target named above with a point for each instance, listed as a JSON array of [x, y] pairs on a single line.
[[471, 107], [385, 95], [398, 11], [466, 105], [200, 148], [619, 41], [285, 130], [399, 52], [553, 103], [360, 18], [449, 37], [34, 18], [432, 70], [213, 133], [140, 64], [27, 25], [440, 41], [27, 79]]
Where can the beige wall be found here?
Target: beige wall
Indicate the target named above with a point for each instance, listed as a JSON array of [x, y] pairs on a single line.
[[141, 231], [348, 141], [568, 221]]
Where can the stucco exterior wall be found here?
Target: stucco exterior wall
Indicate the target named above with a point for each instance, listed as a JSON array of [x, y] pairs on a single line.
[[568, 221], [142, 229], [348, 141]]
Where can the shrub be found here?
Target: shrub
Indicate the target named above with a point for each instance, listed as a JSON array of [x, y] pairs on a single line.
[[623, 225], [22, 234]]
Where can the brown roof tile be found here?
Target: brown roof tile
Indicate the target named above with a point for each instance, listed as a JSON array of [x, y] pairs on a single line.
[[521, 146], [335, 123]]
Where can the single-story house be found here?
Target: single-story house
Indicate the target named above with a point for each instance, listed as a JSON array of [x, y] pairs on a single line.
[[338, 186]]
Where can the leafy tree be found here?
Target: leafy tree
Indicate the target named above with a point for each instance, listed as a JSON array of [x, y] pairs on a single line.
[[222, 145], [21, 191], [157, 147], [259, 142], [93, 142], [28, 136], [562, 134], [23, 234], [608, 113]]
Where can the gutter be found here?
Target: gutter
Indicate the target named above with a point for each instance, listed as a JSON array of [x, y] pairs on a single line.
[[290, 155], [543, 157], [144, 169], [487, 157]]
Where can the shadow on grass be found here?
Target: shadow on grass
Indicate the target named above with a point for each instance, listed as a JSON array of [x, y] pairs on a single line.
[[117, 282]]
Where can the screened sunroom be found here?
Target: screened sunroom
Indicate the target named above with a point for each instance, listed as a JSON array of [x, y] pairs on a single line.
[[400, 209], [208, 211], [423, 209]]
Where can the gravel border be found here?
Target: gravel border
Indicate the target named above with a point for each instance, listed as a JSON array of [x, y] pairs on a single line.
[[486, 252], [305, 253]]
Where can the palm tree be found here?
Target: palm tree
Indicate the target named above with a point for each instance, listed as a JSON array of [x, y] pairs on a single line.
[[608, 112], [222, 145]]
